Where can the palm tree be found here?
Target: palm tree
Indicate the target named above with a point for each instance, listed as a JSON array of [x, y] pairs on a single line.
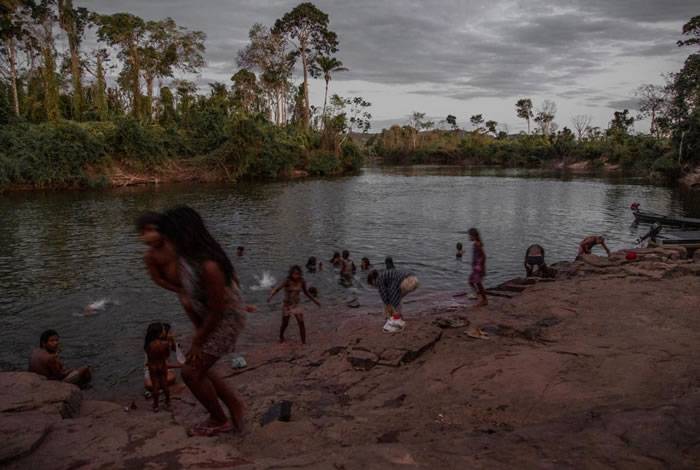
[[327, 65]]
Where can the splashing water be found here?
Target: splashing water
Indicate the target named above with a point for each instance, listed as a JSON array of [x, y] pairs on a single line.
[[98, 305], [264, 281]]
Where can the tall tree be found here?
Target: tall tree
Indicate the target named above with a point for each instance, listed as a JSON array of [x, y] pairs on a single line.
[[245, 90], [581, 123], [491, 126], [306, 27], [11, 32], [325, 66], [682, 116], [523, 108], [267, 53], [167, 47], [73, 21], [621, 123], [652, 99], [126, 32], [100, 85], [452, 121], [44, 15], [477, 121], [545, 117]]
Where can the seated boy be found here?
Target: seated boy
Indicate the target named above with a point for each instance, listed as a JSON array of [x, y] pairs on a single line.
[[45, 361]]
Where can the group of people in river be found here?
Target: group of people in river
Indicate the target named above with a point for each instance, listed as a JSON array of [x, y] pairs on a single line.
[[182, 257]]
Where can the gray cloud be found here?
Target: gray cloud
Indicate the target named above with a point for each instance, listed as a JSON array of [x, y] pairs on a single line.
[[457, 49]]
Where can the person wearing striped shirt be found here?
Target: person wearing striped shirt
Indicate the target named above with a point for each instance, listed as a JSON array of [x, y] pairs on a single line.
[[393, 286]]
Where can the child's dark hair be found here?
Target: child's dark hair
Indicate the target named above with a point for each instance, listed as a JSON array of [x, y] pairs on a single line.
[[293, 269], [459, 246], [185, 227], [153, 332], [389, 262], [311, 262], [336, 254], [46, 335], [346, 254], [474, 233], [365, 260]]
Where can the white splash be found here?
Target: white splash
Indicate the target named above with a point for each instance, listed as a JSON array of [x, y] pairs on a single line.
[[264, 281], [98, 305]]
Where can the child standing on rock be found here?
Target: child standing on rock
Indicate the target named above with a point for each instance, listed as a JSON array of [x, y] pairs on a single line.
[[293, 286], [476, 278], [157, 347]]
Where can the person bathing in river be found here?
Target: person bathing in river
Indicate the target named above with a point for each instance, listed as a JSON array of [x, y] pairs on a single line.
[[393, 286], [389, 262], [534, 261], [460, 251], [293, 286], [157, 345], [336, 260], [240, 251], [45, 361], [347, 269], [476, 278], [206, 285], [365, 265], [311, 264], [587, 244]]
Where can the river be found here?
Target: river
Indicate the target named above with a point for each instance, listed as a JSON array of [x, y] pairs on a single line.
[[60, 251]]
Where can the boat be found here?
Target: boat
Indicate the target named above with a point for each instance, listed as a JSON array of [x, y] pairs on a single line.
[[641, 216], [689, 240]]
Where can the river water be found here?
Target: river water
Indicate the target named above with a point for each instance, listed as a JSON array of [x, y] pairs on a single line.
[[60, 251]]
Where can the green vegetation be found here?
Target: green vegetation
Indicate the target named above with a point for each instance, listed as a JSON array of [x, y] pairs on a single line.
[[671, 147], [68, 115]]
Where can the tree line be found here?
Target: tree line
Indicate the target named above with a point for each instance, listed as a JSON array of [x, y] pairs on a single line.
[[132, 95], [671, 146]]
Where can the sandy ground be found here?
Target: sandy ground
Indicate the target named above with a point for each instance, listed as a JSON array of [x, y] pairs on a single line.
[[600, 369]]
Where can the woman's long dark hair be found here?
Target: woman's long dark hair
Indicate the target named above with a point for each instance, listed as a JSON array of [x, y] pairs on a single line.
[[185, 227]]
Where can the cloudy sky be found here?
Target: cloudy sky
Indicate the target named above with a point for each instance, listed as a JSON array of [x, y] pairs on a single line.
[[462, 57]]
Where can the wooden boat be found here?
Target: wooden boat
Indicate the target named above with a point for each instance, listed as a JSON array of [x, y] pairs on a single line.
[[690, 240], [652, 217]]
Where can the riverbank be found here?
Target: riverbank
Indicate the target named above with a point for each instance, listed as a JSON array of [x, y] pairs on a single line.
[[598, 368]]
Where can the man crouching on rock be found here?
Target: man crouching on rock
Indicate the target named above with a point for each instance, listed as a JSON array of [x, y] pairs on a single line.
[[45, 361]]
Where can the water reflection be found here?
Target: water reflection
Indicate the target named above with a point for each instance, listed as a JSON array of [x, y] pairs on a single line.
[[60, 251]]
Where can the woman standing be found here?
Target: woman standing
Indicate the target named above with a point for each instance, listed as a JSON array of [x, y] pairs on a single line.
[[209, 293]]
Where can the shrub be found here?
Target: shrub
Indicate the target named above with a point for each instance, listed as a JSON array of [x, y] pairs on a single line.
[[47, 154]]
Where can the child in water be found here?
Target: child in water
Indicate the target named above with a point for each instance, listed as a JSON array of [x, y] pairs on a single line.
[[478, 267], [293, 286], [347, 269], [365, 265], [460, 251], [157, 346], [311, 265], [336, 260]]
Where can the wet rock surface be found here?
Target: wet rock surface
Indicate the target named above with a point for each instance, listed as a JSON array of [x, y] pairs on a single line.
[[599, 369]]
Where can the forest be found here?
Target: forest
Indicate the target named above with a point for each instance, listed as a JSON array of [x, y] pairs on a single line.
[[70, 112], [84, 93]]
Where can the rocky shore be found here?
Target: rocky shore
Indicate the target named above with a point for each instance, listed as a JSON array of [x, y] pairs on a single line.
[[597, 368]]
